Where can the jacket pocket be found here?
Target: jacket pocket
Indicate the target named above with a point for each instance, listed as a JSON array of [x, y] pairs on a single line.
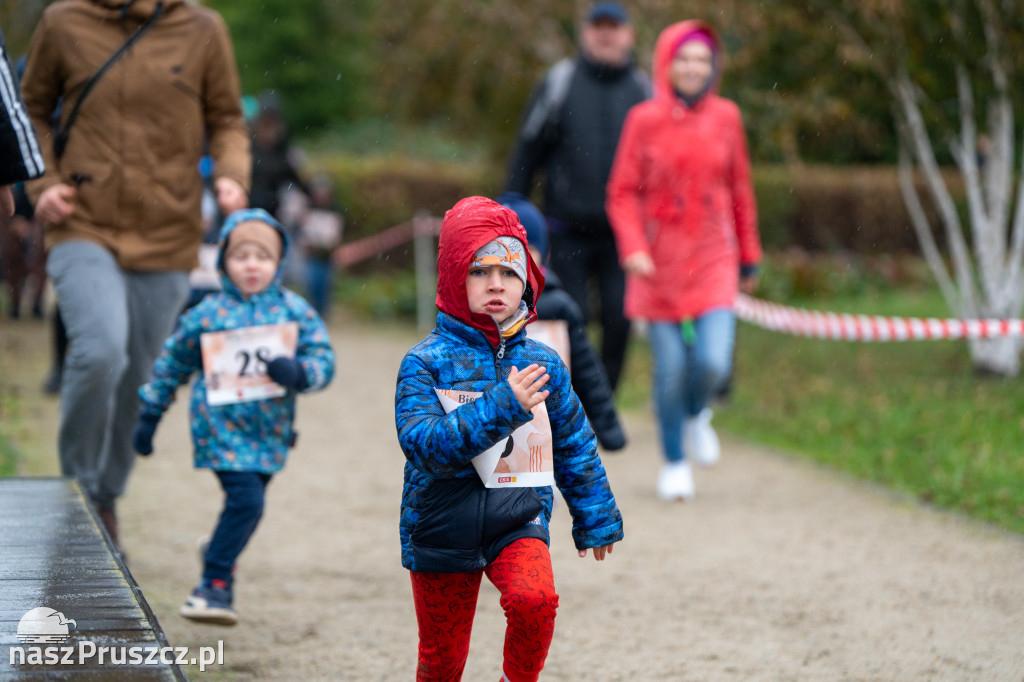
[[509, 509], [449, 514]]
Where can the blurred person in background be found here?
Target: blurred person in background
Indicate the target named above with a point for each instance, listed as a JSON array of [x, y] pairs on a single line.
[[22, 242], [569, 131], [277, 184], [320, 231], [555, 306], [20, 156], [24, 259], [20, 160], [682, 206], [204, 278], [274, 163], [141, 85]]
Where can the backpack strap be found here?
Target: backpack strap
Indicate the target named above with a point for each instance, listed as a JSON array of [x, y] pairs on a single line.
[[60, 139], [556, 88], [643, 81]]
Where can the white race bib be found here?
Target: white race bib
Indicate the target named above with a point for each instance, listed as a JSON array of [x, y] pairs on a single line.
[[523, 460], [235, 361]]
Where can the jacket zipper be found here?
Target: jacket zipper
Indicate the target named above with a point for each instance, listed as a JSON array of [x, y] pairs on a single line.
[[481, 509], [498, 356], [254, 415]]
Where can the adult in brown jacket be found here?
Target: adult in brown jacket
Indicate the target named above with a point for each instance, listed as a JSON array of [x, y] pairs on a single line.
[[122, 203]]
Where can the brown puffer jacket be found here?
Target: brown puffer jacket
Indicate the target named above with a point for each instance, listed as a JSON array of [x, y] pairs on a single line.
[[134, 149]]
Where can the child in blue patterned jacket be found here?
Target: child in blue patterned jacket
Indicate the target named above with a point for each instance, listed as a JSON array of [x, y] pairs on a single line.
[[241, 421], [454, 527]]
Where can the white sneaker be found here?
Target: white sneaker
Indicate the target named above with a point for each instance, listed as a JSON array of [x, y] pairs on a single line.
[[675, 482], [700, 441]]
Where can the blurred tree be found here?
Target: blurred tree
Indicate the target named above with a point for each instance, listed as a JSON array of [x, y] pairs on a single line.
[[470, 66], [315, 54], [467, 66], [950, 69], [803, 101], [18, 19]]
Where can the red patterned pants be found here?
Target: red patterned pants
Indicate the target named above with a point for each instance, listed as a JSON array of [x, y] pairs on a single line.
[[446, 604]]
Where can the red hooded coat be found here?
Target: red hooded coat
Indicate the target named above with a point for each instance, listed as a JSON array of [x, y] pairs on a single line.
[[680, 190], [467, 226]]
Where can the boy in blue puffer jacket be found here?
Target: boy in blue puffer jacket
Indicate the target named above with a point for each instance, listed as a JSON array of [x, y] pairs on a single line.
[[453, 528], [243, 433]]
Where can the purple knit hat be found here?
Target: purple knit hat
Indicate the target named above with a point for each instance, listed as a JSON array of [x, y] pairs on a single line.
[[699, 35]]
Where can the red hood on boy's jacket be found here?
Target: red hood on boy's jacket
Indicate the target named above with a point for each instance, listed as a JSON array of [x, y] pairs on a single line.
[[467, 226]]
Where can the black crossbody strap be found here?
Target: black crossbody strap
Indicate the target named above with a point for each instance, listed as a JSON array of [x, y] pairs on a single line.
[[60, 139]]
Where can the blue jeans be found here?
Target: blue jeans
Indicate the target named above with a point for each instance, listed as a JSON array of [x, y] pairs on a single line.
[[244, 493], [688, 373], [319, 278]]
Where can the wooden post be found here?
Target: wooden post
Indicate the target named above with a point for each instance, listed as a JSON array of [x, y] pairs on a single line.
[[425, 257]]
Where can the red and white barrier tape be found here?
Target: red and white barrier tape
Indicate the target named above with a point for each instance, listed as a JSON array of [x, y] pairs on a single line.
[[363, 249], [846, 327], [771, 316]]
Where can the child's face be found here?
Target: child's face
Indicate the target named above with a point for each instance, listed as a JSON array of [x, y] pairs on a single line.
[[250, 267], [495, 290]]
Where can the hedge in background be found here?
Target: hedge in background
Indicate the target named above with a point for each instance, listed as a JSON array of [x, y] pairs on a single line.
[[377, 193], [813, 208], [832, 208]]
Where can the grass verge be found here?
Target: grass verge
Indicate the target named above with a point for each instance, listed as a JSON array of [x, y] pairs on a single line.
[[8, 420], [912, 416]]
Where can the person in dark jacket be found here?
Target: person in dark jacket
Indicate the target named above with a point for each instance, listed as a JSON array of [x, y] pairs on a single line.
[[20, 156], [505, 389], [21, 238], [273, 166], [588, 377], [569, 131]]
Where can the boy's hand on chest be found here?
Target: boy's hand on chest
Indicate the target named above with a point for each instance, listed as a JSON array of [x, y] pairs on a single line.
[[527, 385]]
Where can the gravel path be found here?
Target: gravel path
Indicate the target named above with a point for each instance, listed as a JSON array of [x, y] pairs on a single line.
[[778, 570]]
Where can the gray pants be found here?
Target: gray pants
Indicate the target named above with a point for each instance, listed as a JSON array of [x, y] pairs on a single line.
[[117, 322]]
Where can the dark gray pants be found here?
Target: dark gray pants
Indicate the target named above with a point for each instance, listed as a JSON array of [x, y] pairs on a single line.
[[578, 258], [116, 323]]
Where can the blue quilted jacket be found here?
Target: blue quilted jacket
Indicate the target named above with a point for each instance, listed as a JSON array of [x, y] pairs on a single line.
[[449, 521], [248, 436]]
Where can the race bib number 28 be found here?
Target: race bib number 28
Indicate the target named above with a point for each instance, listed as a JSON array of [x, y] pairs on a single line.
[[235, 361]]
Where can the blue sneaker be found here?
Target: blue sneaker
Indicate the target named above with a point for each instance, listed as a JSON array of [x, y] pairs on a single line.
[[210, 603]]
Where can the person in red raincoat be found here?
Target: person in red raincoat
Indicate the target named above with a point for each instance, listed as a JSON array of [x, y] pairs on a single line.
[[682, 208]]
